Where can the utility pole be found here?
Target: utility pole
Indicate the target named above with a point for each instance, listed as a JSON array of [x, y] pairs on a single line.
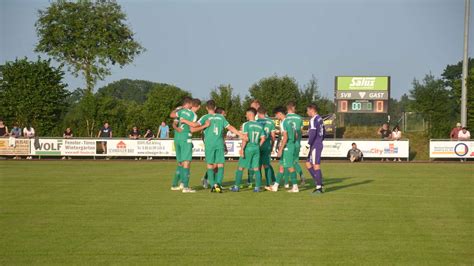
[[467, 13]]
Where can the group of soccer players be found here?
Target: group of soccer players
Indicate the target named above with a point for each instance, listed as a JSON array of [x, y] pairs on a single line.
[[258, 135]]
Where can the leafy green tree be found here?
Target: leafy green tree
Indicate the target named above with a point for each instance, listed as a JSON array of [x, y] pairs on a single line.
[[127, 89], [33, 92], [432, 99], [452, 76], [87, 36], [224, 97], [160, 101], [274, 91]]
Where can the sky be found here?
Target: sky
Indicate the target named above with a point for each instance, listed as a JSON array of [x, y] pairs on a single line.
[[198, 45]]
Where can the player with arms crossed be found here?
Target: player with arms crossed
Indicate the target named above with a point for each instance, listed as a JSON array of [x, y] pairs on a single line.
[[250, 150], [315, 142], [285, 151], [214, 144], [298, 123], [183, 142], [266, 151]]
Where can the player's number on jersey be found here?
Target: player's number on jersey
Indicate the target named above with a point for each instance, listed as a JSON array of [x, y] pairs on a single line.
[[216, 131], [254, 137]]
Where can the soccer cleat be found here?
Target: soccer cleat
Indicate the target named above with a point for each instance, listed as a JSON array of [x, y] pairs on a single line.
[[287, 185], [256, 189], [181, 186], [241, 186], [317, 191], [218, 188], [235, 189], [250, 185], [175, 188], [188, 190], [294, 189]]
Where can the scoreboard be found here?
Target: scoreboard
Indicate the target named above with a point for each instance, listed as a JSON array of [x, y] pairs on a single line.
[[362, 94]]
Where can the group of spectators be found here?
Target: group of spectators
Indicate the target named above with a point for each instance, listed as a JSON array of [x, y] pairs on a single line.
[[16, 132], [460, 133]]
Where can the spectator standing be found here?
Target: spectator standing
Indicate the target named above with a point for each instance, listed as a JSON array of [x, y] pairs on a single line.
[[385, 134], [396, 135], [3, 129], [464, 134], [134, 133], [67, 135], [354, 154], [163, 131], [29, 132], [149, 135], [105, 133], [14, 134], [455, 132]]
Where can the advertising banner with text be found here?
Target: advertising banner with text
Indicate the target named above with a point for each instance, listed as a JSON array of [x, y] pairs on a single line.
[[451, 149]]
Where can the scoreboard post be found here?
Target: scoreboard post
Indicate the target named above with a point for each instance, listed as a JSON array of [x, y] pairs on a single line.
[[362, 94]]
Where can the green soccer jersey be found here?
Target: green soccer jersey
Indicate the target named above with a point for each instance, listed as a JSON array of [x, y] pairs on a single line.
[[213, 133], [268, 126], [290, 128], [254, 131], [189, 115], [298, 124]]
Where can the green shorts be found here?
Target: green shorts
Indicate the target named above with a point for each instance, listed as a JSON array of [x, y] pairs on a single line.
[[214, 155], [297, 152], [184, 150], [287, 159], [251, 159], [265, 156]]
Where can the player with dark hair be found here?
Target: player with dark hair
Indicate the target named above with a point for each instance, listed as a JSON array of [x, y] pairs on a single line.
[[266, 151], [285, 151], [298, 123], [315, 142], [186, 104], [214, 144], [254, 137], [183, 143]]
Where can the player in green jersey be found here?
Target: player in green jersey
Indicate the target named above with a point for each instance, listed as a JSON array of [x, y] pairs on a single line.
[[183, 142], [298, 123], [285, 151], [186, 104], [267, 147], [214, 144], [250, 150]]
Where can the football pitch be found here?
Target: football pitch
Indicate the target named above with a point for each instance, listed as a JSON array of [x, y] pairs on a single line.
[[123, 212]]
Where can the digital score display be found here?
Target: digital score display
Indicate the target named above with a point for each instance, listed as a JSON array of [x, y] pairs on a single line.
[[361, 106], [362, 94]]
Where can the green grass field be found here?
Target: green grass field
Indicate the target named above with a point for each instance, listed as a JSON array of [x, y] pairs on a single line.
[[122, 212]]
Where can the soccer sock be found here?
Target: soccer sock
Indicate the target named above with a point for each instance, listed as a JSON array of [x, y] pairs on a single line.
[[238, 177], [318, 178], [185, 176], [272, 173], [278, 178], [251, 173], [205, 176], [294, 181], [298, 169], [268, 175], [312, 173], [174, 182], [258, 179], [287, 176], [210, 176], [220, 175]]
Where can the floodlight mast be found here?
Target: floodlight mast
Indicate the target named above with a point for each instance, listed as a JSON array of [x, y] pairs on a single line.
[[467, 14]]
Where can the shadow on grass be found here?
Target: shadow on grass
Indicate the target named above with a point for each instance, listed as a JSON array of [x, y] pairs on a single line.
[[335, 188]]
